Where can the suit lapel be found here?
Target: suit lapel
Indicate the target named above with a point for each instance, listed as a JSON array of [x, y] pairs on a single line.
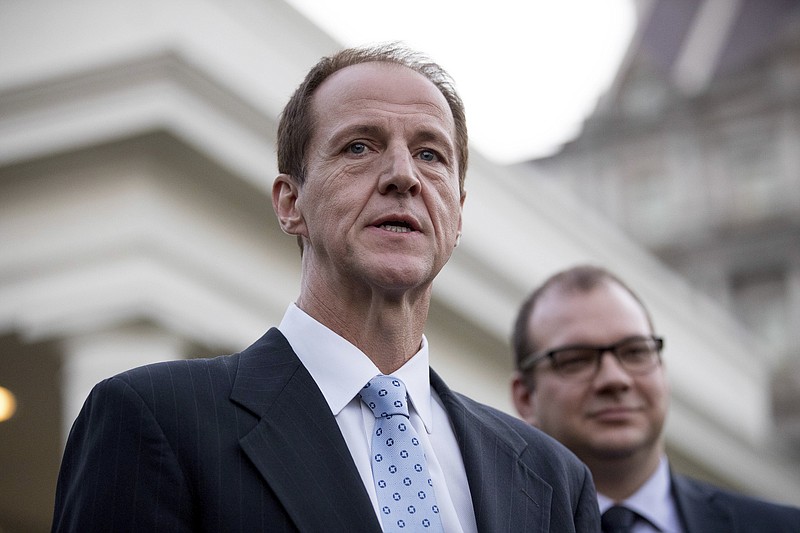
[[297, 445], [506, 494], [700, 510]]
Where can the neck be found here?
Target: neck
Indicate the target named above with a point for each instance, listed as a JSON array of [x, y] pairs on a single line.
[[387, 329], [620, 478]]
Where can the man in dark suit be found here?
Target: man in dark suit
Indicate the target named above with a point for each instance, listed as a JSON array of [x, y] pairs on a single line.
[[372, 150], [610, 410]]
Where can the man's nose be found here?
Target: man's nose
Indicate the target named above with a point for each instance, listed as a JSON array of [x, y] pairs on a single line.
[[400, 174], [611, 371]]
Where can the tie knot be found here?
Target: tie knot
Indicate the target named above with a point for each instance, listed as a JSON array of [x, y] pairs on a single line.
[[617, 519], [385, 396]]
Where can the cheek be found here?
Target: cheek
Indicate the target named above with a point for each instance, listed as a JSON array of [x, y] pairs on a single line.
[[555, 404], [342, 193], [657, 391], [447, 206]]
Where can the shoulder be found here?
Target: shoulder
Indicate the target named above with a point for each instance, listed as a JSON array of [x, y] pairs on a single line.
[[512, 428], [749, 512], [199, 375], [201, 382], [534, 448], [509, 457], [194, 373], [166, 385]]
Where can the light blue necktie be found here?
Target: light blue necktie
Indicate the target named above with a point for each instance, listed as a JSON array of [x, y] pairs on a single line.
[[405, 491]]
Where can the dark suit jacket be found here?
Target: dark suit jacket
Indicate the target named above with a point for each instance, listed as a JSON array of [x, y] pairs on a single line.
[[705, 508], [247, 443]]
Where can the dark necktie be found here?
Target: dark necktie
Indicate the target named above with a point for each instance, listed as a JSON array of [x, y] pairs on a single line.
[[618, 519], [402, 483]]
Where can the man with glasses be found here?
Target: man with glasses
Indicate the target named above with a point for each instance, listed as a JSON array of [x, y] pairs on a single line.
[[589, 373]]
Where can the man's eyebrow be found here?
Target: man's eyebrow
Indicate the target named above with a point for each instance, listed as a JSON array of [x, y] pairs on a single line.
[[433, 135], [366, 130], [440, 138]]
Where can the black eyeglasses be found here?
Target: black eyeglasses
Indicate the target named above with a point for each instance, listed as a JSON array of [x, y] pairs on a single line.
[[637, 355]]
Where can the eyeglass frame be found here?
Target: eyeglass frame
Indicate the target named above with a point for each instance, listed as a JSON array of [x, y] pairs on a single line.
[[533, 359]]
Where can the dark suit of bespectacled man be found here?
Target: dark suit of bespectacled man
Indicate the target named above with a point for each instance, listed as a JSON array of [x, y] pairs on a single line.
[[590, 374], [372, 155]]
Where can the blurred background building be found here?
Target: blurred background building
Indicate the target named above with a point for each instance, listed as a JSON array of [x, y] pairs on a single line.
[[136, 162], [695, 153]]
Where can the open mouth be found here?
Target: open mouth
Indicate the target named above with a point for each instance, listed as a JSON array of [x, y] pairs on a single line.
[[396, 226]]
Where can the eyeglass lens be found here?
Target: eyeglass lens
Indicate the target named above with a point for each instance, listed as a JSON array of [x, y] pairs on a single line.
[[637, 355]]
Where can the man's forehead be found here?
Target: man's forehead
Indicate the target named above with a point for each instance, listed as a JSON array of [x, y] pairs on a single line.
[[381, 81], [560, 307]]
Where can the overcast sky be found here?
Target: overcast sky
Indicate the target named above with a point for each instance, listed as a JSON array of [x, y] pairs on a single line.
[[529, 71]]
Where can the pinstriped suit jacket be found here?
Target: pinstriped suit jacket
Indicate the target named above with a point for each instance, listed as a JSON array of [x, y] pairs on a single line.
[[237, 443]]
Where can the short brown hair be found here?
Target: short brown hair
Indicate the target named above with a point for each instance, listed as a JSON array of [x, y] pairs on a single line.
[[296, 124], [582, 279]]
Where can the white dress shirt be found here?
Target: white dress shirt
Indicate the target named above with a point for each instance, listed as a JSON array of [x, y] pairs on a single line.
[[341, 370], [653, 501]]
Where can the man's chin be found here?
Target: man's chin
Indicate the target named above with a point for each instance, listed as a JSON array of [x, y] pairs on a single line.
[[614, 454], [617, 448], [400, 272]]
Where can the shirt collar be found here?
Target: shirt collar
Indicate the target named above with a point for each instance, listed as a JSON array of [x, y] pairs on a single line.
[[652, 501], [341, 370]]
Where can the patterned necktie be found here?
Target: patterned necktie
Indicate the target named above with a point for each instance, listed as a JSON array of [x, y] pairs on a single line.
[[402, 483], [617, 519]]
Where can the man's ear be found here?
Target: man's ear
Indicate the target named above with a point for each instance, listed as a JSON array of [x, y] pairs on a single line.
[[524, 399], [460, 219], [285, 195]]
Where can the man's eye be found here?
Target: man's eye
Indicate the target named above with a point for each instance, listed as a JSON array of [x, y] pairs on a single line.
[[428, 155], [357, 148], [636, 352], [575, 358]]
